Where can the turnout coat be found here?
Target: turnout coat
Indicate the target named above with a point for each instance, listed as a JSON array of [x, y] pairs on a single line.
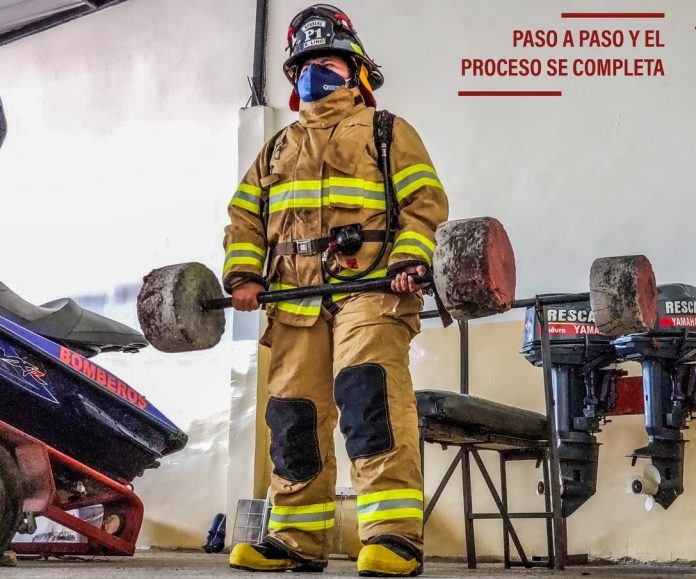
[[319, 173]]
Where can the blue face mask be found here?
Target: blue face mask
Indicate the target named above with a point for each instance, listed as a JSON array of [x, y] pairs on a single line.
[[317, 81]]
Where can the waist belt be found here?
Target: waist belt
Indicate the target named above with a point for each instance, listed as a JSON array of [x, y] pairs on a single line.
[[319, 244]]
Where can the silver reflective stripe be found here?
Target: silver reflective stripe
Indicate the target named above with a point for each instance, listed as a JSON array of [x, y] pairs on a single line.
[[246, 197], [406, 181], [357, 192], [318, 517], [295, 194], [238, 253], [299, 198], [407, 243], [303, 518], [389, 505], [314, 194], [303, 307]]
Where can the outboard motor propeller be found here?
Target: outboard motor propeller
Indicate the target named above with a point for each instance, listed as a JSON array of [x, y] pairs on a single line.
[[584, 390], [667, 355], [648, 484]]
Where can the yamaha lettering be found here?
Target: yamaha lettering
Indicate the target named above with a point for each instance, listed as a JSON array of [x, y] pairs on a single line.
[[571, 329], [678, 322]]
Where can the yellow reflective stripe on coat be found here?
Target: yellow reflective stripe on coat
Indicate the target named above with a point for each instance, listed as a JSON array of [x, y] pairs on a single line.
[[357, 192], [295, 194], [247, 197], [314, 194], [244, 254], [413, 178], [415, 244], [315, 517], [380, 272], [302, 307], [311, 184], [390, 505]]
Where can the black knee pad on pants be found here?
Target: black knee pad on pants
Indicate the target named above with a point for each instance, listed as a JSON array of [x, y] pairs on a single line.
[[361, 396], [294, 442]]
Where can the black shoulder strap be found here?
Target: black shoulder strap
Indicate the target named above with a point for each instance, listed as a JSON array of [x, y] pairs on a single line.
[[383, 133]]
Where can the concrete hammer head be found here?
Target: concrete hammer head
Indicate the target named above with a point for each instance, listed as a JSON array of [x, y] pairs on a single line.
[[474, 268]]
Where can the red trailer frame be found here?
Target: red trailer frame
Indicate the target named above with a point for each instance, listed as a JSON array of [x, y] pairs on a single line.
[[38, 463]]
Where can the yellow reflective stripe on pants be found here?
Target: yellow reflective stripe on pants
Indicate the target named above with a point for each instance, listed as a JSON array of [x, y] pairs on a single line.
[[307, 526], [244, 254], [377, 496], [413, 178], [302, 307], [390, 505], [247, 197], [416, 244], [316, 517]]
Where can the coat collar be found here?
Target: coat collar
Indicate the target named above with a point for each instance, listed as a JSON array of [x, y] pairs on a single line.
[[331, 110]]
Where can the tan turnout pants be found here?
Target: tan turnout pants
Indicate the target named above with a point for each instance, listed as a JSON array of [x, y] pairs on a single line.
[[356, 360]]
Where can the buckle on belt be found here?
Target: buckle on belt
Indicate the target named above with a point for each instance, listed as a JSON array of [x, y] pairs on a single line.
[[306, 246]]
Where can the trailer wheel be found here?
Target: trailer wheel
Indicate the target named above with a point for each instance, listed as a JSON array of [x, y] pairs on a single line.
[[11, 498]]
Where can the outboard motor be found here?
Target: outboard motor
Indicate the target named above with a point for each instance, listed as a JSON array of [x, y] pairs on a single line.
[[667, 355], [584, 390]]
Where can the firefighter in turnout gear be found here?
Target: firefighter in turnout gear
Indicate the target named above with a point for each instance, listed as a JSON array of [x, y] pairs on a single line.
[[315, 208]]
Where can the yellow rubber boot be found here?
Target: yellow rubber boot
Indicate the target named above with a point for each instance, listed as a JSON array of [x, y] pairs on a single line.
[[267, 556], [388, 558]]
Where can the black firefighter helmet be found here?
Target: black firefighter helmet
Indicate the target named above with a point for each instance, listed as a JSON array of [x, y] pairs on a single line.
[[324, 29], [3, 124]]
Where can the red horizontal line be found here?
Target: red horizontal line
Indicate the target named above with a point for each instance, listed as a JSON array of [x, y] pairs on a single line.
[[612, 15], [510, 93]]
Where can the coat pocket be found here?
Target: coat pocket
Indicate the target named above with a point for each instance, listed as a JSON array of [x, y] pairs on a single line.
[[355, 181]]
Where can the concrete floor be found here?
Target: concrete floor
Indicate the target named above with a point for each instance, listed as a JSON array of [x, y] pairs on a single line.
[[155, 565]]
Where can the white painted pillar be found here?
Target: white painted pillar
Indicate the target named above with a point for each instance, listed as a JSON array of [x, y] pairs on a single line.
[[255, 128]]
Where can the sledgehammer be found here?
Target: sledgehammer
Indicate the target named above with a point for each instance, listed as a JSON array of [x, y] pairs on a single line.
[[180, 306]]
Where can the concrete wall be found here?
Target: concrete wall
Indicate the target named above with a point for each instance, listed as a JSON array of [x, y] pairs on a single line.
[[122, 155]]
